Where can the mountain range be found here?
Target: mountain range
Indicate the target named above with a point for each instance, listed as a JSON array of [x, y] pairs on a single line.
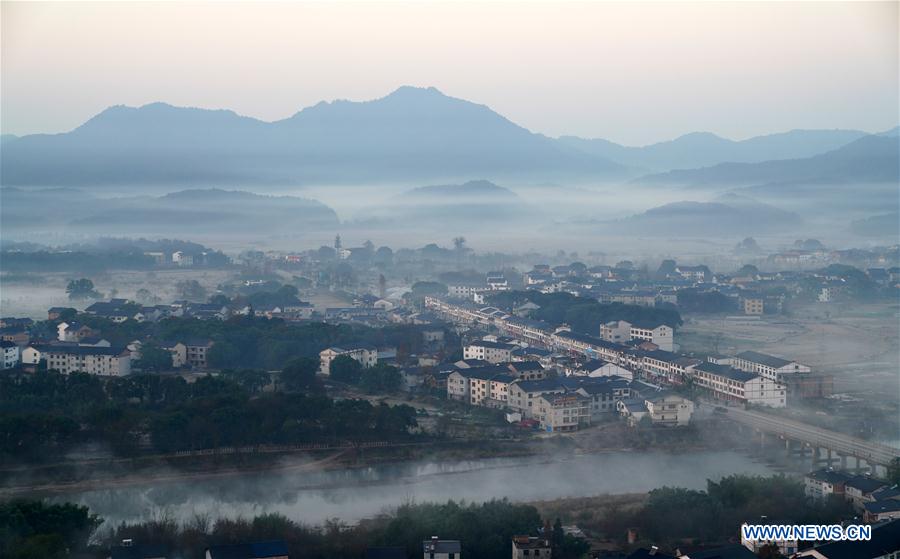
[[190, 211], [703, 149], [413, 136], [869, 159]]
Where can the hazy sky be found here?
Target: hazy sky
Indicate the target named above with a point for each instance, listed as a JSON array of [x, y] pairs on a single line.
[[635, 73]]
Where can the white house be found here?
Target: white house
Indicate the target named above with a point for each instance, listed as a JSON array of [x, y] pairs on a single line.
[[669, 409], [768, 366], [366, 355], [662, 335], [492, 352], [617, 331], [599, 368], [822, 483], [726, 383], [10, 354], [562, 412], [104, 361]]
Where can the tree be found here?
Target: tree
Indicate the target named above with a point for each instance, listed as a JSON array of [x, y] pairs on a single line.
[[81, 289], [300, 374], [191, 290], [893, 472], [154, 358], [346, 369], [33, 529], [558, 536], [144, 296], [381, 378]]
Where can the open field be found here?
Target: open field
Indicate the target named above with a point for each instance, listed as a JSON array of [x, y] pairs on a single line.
[[860, 345]]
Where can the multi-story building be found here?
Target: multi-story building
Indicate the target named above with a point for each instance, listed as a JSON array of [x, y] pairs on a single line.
[[530, 546], [492, 352], [562, 412], [436, 548], [884, 544], [768, 366], [787, 547], [753, 305], [726, 383], [822, 483], [661, 335], [192, 353], [10, 354], [603, 394], [73, 332], [367, 356], [105, 361], [617, 331], [524, 394], [669, 409], [859, 489]]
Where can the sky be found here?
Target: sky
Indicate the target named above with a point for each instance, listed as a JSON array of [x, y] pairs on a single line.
[[635, 73]]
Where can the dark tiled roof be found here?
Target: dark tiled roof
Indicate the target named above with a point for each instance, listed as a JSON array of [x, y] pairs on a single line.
[[764, 359], [828, 476], [441, 546], [385, 553], [885, 540], [258, 550], [725, 371], [865, 484], [736, 551], [85, 350], [139, 552]]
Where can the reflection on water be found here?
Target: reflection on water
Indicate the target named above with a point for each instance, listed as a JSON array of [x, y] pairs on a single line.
[[353, 494]]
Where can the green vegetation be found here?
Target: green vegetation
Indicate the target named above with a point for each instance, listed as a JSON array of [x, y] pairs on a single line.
[[81, 289], [485, 531], [34, 530], [583, 314], [673, 516], [43, 415]]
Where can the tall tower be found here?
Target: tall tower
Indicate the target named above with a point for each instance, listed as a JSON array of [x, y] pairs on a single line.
[[337, 243]]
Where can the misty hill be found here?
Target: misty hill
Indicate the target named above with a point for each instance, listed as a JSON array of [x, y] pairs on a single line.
[[703, 149], [477, 202], [729, 215], [869, 159], [211, 211], [413, 134], [480, 190], [883, 225]]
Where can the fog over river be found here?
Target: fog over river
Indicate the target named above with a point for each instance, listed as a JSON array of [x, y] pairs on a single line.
[[352, 494]]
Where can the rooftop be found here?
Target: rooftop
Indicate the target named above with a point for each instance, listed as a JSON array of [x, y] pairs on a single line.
[[763, 359]]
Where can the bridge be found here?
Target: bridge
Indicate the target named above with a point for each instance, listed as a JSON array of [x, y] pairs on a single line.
[[817, 438]]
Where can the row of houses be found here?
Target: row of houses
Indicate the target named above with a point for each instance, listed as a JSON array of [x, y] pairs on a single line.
[[875, 499], [525, 389], [751, 378]]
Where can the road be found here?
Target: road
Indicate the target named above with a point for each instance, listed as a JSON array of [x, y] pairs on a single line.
[[872, 453]]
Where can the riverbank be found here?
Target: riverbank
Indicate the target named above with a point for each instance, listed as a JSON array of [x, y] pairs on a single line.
[[89, 474]]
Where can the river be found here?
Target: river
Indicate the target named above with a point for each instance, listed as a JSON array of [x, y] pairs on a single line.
[[352, 494]]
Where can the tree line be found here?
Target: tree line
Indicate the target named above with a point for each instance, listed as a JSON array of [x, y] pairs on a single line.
[[37, 530], [44, 414]]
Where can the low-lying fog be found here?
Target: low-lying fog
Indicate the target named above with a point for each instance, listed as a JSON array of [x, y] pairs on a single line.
[[353, 494]]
